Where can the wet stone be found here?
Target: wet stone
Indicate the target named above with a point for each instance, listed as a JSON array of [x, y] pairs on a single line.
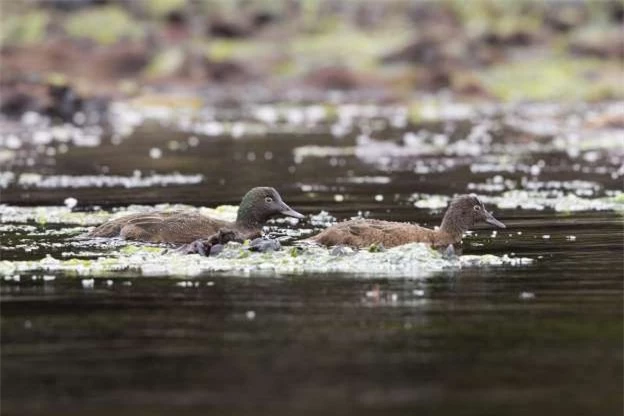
[[264, 245], [341, 251], [216, 249], [449, 253]]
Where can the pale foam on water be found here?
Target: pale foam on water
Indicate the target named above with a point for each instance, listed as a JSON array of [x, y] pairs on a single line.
[[408, 261]]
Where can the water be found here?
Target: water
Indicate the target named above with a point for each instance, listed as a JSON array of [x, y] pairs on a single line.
[[539, 338]]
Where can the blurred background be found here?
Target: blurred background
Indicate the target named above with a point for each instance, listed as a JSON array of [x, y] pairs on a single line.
[[382, 109], [59, 54]]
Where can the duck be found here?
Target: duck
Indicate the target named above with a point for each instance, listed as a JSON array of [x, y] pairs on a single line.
[[463, 213], [185, 226]]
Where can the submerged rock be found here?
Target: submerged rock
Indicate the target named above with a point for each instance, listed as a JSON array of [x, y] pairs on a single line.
[[264, 245], [341, 250]]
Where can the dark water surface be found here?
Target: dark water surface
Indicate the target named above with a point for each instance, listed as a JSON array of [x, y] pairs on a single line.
[[539, 339]]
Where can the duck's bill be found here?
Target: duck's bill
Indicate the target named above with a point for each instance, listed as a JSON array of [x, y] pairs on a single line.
[[489, 218], [289, 212]]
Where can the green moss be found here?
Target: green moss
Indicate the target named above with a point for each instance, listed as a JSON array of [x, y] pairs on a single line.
[[285, 68], [24, 29], [57, 79], [552, 79], [331, 111], [414, 112], [346, 46], [79, 262], [499, 16], [165, 63], [109, 263], [160, 8], [510, 24], [41, 217], [221, 50], [104, 25], [376, 248], [129, 250], [226, 49]]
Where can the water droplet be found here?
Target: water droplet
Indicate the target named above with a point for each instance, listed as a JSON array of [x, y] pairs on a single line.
[[70, 202], [155, 153], [193, 141], [87, 283]]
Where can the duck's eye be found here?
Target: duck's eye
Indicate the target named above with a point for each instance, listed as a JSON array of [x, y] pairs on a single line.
[[477, 208], [268, 199]]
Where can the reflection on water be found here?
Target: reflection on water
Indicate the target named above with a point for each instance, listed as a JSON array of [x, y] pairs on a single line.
[[460, 342], [540, 339]]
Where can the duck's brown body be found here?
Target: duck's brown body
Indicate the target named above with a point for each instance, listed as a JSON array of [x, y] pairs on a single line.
[[463, 213], [177, 227], [363, 233], [182, 227]]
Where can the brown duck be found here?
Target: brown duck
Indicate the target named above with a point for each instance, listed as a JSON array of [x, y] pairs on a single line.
[[180, 227], [462, 214]]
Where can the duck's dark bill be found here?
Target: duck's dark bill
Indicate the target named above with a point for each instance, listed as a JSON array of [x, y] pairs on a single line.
[[289, 212], [489, 218]]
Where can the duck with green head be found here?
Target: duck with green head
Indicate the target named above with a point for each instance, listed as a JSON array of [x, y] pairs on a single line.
[[181, 227], [463, 213]]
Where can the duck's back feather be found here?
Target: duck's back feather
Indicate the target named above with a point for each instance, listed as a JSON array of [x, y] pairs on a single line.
[[161, 227], [364, 232]]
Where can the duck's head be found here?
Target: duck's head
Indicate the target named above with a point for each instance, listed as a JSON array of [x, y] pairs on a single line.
[[260, 204], [464, 212]]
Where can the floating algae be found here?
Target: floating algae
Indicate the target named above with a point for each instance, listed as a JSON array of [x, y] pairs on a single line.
[[136, 180], [560, 200], [94, 257], [412, 260], [65, 215]]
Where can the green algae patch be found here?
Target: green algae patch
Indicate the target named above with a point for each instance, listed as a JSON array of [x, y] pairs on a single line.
[[617, 202], [28, 28], [376, 248], [65, 215], [104, 25], [165, 63], [220, 50], [619, 199], [364, 47], [160, 8], [130, 250], [564, 203], [534, 200], [411, 260], [554, 79]]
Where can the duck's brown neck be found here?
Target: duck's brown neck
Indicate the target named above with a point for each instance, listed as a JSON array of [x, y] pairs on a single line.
[[451, 227], [247, 221]]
